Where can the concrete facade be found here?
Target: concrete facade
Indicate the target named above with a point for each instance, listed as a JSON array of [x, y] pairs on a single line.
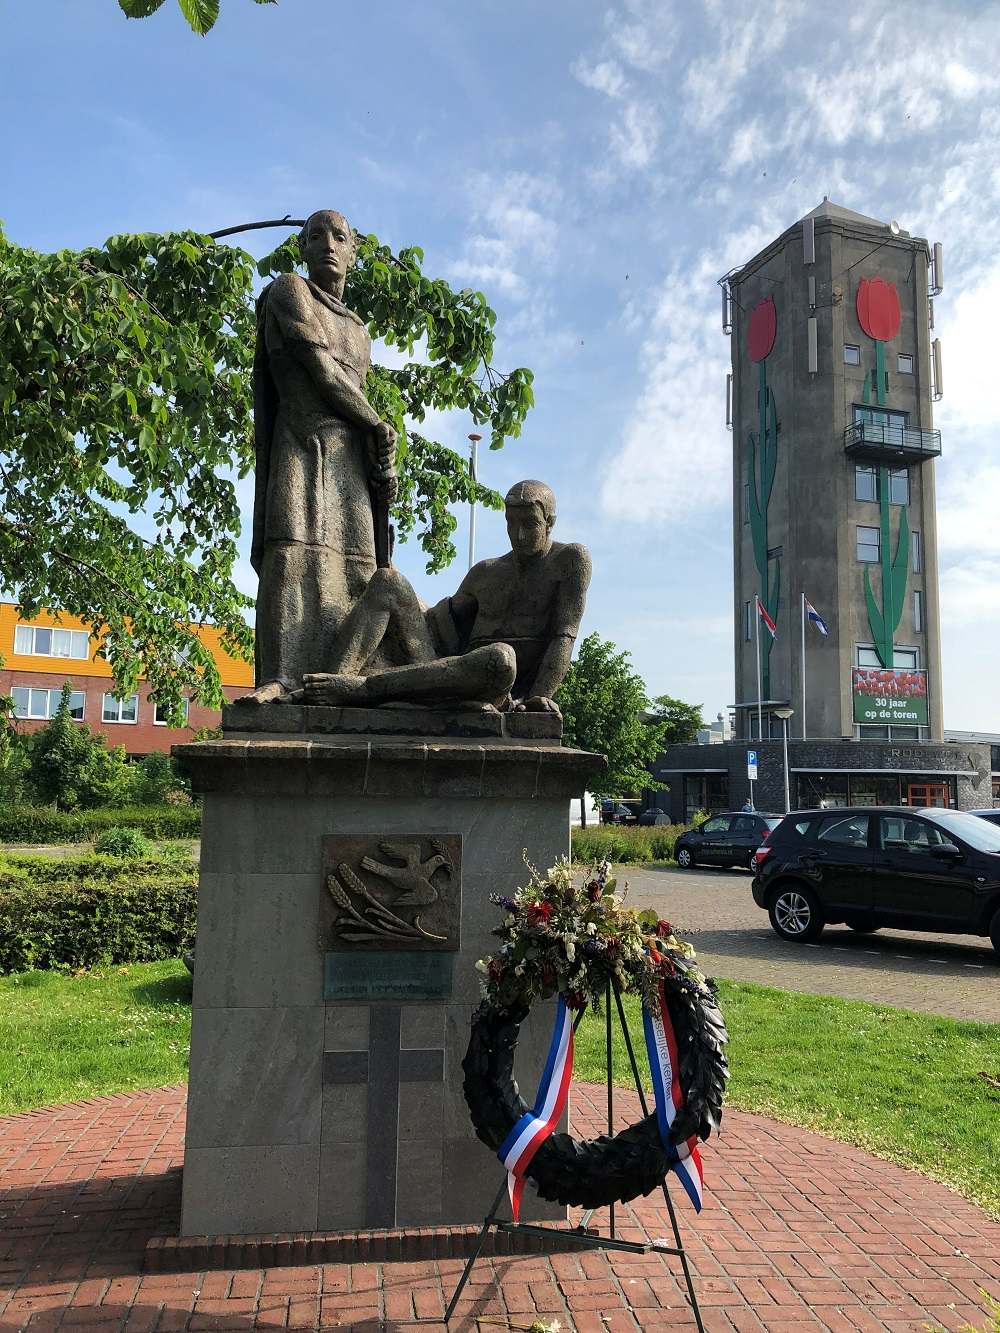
[[813, 515], [306, 1113], [829, 772]]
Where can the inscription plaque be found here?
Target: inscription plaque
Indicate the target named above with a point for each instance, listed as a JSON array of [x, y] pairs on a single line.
[[401, 892], [387, 976]]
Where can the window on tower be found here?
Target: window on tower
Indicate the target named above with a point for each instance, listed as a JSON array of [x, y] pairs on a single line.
[[904, 364], [918, 610], [869, 545], [865, 482], [899, 486], [748, 621], [918, 552], [852, 354]]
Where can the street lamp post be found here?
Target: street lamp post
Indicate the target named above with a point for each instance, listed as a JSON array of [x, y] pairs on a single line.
[[785, 714], [473, 465]]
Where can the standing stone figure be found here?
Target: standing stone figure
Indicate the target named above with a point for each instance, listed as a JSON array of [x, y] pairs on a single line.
[[323, 459], [504, 640]]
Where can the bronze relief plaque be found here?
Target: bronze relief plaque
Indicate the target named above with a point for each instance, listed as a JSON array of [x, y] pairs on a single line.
[[401, 892]]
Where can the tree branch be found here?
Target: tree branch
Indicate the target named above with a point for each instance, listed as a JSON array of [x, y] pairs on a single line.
[[286, 221]]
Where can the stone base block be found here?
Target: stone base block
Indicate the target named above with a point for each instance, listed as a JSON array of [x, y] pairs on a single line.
[[325, 1090], [389, 720]]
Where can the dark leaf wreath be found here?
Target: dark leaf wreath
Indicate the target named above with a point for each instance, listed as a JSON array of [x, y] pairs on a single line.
[[561, 938]]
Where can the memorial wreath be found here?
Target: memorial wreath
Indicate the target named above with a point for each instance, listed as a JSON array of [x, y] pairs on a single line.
[[578, 941]]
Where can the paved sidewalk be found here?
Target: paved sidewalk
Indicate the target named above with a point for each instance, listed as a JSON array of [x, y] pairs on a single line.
[[954, 975], [798, 1233]]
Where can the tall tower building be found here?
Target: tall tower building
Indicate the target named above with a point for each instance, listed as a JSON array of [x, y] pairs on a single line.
[[834, 371]]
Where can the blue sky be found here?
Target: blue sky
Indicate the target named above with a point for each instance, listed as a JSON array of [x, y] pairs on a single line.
[[594, 168]]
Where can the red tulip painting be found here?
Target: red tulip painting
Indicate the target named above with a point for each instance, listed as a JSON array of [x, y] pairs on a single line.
[[761, 461], [878, 308], [761, 329]]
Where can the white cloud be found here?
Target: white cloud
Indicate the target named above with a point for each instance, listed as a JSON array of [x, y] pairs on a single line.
[[643, 32], [604, 76], [634, 136], [516, 232]]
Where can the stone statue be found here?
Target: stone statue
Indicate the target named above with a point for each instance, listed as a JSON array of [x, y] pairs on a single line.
[[503, 641], [324, 459]]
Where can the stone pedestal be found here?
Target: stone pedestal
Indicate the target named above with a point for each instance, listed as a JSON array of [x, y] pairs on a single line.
[[326, 1083]]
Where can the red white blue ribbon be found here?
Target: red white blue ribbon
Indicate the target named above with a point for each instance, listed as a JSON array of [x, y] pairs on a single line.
[[519, 1147], [661, 1047]]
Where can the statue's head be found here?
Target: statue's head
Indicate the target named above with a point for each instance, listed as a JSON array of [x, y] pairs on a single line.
[[326, 244], [531, 514]]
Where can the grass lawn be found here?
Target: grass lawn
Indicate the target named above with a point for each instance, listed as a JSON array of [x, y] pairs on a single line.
[[905, 1086], [67, 1036]]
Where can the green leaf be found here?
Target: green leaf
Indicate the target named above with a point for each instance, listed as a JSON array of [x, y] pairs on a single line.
[[201, 14], [139, 9]]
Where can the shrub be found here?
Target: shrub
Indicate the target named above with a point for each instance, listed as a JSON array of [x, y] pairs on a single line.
[[157, 778], [71, 768], [92, 910], [126, 843], [42, 824], [625, 843]]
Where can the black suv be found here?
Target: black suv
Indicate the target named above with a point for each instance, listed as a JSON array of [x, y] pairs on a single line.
[[935, 870], [724, 840]]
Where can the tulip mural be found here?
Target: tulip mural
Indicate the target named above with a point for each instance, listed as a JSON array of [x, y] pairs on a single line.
[[877, 307], [762, 459]]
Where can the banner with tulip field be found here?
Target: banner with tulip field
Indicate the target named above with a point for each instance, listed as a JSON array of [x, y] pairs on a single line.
[[896, 696]]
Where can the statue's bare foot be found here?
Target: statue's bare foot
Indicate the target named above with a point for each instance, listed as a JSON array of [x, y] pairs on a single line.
[[270, 693], [338, 690]]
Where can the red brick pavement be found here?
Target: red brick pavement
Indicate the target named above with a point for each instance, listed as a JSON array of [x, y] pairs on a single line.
[[798, 1233]]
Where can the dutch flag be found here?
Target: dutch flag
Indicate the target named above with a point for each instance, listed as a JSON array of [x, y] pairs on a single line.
[[815, 617], [769, 624]]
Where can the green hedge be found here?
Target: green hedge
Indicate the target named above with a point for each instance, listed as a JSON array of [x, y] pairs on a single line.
[[43, 824], [625, 843], [94, 909]]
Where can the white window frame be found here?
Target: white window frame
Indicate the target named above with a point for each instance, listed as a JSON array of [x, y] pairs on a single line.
[[866, 470], [158, 723], [918, 611], [852, 354], [904, 363], [26, 640], [866, 656], [51, 703], [897, 474], [876, 545], [917, 552], [119, 705]]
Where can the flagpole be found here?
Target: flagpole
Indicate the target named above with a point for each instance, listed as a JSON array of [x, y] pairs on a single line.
[[803, 596], [756, 626]]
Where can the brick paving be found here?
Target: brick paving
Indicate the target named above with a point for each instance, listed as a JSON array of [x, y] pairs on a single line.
[[954, 975], [798, 1233]]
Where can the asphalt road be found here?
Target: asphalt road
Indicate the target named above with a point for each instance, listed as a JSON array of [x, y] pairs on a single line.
[[955, 975]]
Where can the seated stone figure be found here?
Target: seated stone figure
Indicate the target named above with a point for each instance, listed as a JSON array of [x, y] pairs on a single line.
[[504, 640]]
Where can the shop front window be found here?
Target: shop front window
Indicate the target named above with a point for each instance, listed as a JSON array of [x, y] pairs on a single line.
[[821, 791]]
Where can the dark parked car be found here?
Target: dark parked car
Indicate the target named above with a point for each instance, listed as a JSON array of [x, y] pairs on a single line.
[[614, 812], [935, 870], [652, 816], [725, 840], [992, 815]]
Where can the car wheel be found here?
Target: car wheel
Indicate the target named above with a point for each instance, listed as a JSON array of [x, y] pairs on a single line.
[[995, 932], [795, 913], [684, 859]]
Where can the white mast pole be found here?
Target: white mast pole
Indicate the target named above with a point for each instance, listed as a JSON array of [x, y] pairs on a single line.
[[473, 470], [803, 666]]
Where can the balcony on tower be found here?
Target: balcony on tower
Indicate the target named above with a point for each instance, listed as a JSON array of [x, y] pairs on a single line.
[[883, 437]]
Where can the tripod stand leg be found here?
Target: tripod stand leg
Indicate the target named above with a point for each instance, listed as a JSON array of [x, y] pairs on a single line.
[[476, 1250], [611, 1085], [666, 1193]]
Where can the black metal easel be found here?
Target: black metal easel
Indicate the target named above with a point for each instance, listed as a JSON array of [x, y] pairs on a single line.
[[580, 1234]]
